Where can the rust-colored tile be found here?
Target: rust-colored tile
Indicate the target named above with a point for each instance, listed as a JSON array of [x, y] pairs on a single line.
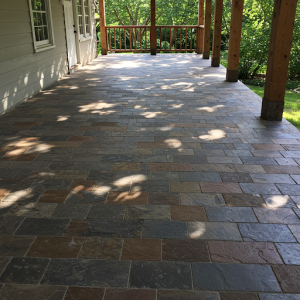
[[21, 157], [56, 247], [147, 145], [3, 193], [163, 198], [188, 213], [77, 228], [169, 167], [127, 198], [244, 252], [66, 144], [141, 249], [288, 278], [84, 293], [220, 187], [81, 139], [268, 147], [31, 139], [185, 250], [82, 185], [51, 196], [101, 248], [238, 296], [127, 167], [184, 187], [244, 200], [26, 123], [130, 294], [7, 148]]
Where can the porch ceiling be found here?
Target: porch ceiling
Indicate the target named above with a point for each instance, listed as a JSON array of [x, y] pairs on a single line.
[[151, 174]]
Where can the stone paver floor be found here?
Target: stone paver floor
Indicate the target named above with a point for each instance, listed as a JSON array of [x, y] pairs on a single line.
[[142, 177]]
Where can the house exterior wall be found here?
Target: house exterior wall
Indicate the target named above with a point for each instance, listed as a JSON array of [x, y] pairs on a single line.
[[24, 72]]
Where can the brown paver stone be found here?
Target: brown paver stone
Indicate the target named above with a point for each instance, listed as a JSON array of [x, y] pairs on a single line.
[[127, 198], [81, 139], [184, 187], [56, 247], [3, 193], [130, 294], [238, 296], [291, 170], [268, 147], [244, 252], [51, 196], [141, 249], [21, 157], [169, 167], [186, 295], [84, 293], [220, 187], [288, 278], [244, 200], [185, 250], [161, 198], [127, 167], [188, 213], [82, 185]]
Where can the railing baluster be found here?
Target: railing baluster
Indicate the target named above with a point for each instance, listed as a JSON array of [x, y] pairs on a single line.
[[160, 39], [145, 38], [175, 37], [120, 38], [125, 38], [185, 39], [135, 38], [165, 38], [140, 38], [115, 39], [130, 38], [191, 43], [109, 38], [180, 37], [170, 37]]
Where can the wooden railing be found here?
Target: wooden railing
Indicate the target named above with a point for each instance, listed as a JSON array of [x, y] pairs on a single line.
[[169, 38]]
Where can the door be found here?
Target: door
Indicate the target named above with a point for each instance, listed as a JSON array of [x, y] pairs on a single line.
[[70, 28]]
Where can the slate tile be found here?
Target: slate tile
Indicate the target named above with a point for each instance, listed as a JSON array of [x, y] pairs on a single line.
[[82, 185], [145, 212], [15, 245], [259, 188], [141, 249], [169, 167], [55, 247], [290, 253], [95, 197], [282, 169], [32, 292], [202, 199], [279, 297], [271, 178], [223, 160], [234, 277], [243, 252], [130, 294], [230, 214], [200, 176], [161, 275], [168, 176], [189, 159], [235, 177], [51, 184], [213, 167], [289, 189], [83, 272], [222, 187], [51, 227], [24, 270], [276, 233], [278, 201], [185, 250], [187, 295], [181, 187], [127, 166], [127, 198], [3, 263], [101, 248], [188, 213], [213, 231], [8, 225], [5, 207], [250, 169], [161, 229], [54, 196], [244, 200], [295, 229], [288, 278], [33, 210], [157, 198], [276, 216], [107, 212], [247, 160], [82, 293], [70, 211]]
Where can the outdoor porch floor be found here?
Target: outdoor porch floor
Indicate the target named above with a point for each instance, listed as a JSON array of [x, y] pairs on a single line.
[[146, 177]]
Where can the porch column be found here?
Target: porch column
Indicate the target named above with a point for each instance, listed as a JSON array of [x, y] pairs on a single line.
[[153, 29], [278, 59], [102, 27], [207, 25], [235, 40], [216, 48], [199, 38]]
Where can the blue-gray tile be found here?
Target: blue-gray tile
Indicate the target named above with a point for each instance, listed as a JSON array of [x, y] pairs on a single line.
[[230, 214], [290, 253], [279, 296]]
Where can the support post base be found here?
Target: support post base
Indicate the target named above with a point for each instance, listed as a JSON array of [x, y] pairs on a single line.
[[153, 51], [198, 50], [232, 75], [205, 55], [215, 62], [272, 110], [104, 51]]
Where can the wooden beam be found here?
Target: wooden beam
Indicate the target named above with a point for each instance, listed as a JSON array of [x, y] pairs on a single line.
[[199, 32], [102, 27], [153, 29], [216, 48], [206, 50], [235, 40], [278, 59]]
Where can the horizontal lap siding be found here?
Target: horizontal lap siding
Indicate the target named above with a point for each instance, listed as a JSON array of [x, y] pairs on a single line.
[[22, 71]]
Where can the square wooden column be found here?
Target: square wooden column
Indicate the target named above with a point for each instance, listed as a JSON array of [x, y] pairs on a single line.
[[216, 48], [207, 26], [199, 38], [102, 27], [235, 40], [153, 29], [278, 59]]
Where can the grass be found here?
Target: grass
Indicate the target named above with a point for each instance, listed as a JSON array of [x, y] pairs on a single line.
[[291, 104]]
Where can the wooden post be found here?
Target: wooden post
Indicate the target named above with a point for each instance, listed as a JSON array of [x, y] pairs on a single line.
[[235, 40], [153, 29], [199, 37], [102, 27], [216, 48], [207, 26], [278, 59]]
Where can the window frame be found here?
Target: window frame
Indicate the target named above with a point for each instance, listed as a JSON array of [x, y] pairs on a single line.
[[46, 44], [85, 35]]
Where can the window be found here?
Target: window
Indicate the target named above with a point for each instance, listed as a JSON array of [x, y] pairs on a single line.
[[84, 21], [41, 24]]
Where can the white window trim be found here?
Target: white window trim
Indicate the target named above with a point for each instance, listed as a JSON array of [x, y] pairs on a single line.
[[85, 36], [38, 47]]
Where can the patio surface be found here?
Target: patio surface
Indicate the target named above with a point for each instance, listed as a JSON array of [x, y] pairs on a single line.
[[148, 177]]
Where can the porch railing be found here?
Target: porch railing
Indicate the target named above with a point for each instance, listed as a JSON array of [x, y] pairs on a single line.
[[170, 38]]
